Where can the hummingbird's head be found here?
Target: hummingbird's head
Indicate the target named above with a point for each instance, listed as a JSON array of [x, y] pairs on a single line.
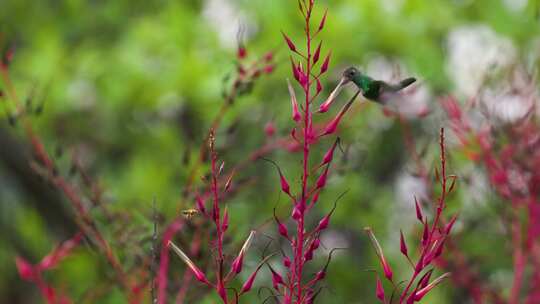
[[350, 73]]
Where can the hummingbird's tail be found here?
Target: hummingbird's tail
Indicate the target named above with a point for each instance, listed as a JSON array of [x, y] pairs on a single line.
[[406, 82]]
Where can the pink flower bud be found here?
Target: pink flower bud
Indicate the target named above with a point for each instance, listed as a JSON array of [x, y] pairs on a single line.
[[379, 292], [269, 68], [315, 198], [324, 66], [450, 224], [332, 126], [319, 86], [320, 275], [199, 275], [295, 71], [277, 279], [424, 280], [326, 105], [291, 45], [269, 129], [225, 222], [323, 20], [312, 247], [282, 229], [26, 270], [317, 53], [297, 212], [295, 113], [242, 52], [200, 204], [419, 215], [228, 183], [422, 292], [321, 181], [60, 252], [402, 244], [286, 262], [425, 234], [236, 266], [268, 56], [221, 291], [249, 282], [329, 155], [378, 250]]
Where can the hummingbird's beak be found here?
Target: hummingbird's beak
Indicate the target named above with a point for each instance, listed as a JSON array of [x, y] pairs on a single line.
[[326, 105]]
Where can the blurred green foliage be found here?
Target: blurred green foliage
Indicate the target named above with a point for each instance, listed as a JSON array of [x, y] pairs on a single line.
[[134, 85]]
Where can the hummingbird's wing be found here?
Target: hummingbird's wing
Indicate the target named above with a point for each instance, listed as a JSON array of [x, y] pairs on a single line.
[[401, 85]]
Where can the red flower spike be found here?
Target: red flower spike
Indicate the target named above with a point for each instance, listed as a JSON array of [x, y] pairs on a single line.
[[317, 53], [419, 215], [326, 63], [321, 181], [323, 21], [296, 116], [379, 292], [378, 250], [402, 244], [282, 229], [291, 45], [26, 270], [332, 126], [418, 295]]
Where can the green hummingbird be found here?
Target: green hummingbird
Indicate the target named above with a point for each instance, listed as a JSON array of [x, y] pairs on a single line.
[[374, 90]]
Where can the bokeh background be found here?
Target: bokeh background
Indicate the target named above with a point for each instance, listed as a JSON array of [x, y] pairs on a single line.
[[131, 88]]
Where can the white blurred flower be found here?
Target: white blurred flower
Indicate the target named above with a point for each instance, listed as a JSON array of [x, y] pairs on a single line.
[[505, 107], [226, 19], [475, 52], [515, 5]]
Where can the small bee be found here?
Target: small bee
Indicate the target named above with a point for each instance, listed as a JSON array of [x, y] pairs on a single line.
[[189, 213]]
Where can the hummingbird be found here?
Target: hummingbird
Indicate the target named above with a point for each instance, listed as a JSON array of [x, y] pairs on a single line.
[[375, 90]]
